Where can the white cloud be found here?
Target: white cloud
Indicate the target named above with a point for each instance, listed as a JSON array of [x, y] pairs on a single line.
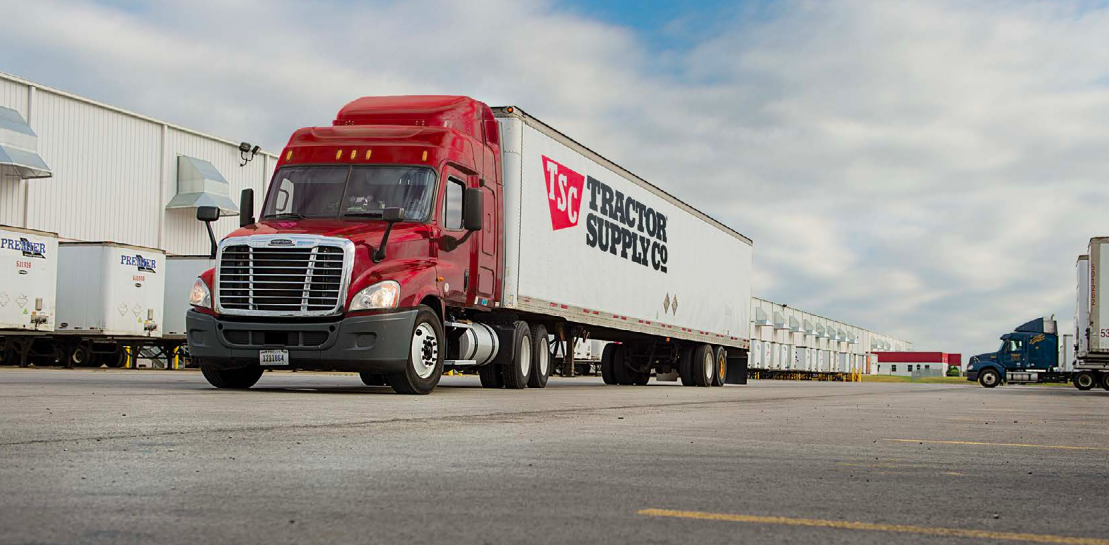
[[924, 168]]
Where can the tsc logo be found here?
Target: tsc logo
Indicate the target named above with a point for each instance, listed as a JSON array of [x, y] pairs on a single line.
[[139, 262], [564, 189]]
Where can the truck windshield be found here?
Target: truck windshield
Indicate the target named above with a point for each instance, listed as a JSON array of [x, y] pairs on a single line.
[[361, 191]]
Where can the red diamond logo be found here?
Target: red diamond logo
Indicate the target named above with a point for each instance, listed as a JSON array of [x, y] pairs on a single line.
[[564, 187]]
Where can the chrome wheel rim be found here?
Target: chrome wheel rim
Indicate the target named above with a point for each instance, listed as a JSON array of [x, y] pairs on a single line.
[[425, 350], [989, 378], [544, 355], [525, 357], [706, 364]]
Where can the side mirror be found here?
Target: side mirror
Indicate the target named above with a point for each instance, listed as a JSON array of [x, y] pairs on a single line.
[[393, 214], [208, 214], [473, 208], [246, 207]]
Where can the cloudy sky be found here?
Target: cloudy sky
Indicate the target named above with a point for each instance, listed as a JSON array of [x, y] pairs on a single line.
[[926, 169]]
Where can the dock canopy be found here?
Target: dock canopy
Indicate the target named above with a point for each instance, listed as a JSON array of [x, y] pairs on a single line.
[[19, 155], [761, 318], [794, 324], [779, 321], [199, 183]]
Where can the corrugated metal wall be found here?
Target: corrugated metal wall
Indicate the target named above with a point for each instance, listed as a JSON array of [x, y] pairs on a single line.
[[114, 172]]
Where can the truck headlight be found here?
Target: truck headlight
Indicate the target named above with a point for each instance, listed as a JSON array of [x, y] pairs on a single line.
[[378, 296], [200, 295]]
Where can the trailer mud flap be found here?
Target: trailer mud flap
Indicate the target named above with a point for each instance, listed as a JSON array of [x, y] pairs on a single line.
[[737, 369]]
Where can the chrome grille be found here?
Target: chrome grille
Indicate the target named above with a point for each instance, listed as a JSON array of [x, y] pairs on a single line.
[[255, 279]]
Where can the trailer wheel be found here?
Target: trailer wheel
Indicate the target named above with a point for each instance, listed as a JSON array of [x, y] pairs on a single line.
[[426, 351], [541, 357], [232, 379], [492, 376], [642, 378], [686, 367], [518, 371], [1105, 381], [721, 366], [373, 379], [608, 367], [989, 378], [1084, 380], [704, 365]]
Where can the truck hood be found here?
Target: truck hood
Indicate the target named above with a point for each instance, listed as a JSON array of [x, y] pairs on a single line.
[[357, 231], [980, 358]]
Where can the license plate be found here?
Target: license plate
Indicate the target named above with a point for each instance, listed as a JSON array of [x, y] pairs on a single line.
[[273, 357]]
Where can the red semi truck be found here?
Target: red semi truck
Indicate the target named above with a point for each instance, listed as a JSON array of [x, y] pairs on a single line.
[[424, 233]]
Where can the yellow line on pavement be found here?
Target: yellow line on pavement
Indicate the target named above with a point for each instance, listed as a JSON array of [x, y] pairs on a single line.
[[984, 444], [869, 526]]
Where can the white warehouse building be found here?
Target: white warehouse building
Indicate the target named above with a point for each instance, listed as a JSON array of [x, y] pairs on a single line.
[[786, 339], [120, 176]]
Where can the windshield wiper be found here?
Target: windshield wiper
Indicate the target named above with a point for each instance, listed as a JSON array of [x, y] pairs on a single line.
[[286, 216]]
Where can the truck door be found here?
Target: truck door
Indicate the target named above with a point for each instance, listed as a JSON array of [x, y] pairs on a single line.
[[1014, 356], [453, 264]]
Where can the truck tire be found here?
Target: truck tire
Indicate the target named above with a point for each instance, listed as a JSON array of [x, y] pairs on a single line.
[[721, 366], [541, 357], [518, 371], [989, 378], [704, 365], [231, 379], [1105, 381], [373, 379], [624, 375], [642, 378], [492, 376], [1084, 381], [425, 356], [685, 365], [608, 368]]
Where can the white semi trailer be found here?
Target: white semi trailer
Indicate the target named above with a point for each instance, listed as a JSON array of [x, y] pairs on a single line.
[[28, 286]]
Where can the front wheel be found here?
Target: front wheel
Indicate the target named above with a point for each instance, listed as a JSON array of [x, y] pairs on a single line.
[[989, 378], [231, 379], [1084, 381], [425, 356]]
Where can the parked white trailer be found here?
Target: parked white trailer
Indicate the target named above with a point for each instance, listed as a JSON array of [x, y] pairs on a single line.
[[28, 287], [28, 279], [110, 289]]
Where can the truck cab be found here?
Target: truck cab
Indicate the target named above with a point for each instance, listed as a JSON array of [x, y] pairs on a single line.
[[374, 233], [1026, 353]]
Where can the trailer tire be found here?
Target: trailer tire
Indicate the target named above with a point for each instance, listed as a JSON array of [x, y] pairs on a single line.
[[624, 375], [373, 379], [427, 351], [989, 378], [721, 366], [704, 365], [491, 375], [642, 378], [1084, 381], [1105, 381], [541, 357], [519, 370], [685, 365], [231, 379], [608, 368]]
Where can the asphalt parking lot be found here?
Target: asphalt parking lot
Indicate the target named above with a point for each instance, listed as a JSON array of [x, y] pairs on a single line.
[[160, 457]]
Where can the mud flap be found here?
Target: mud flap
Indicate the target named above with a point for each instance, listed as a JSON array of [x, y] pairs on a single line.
[[737, 368]]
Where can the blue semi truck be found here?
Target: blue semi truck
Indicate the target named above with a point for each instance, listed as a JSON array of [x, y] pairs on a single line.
[[1033, 352]]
